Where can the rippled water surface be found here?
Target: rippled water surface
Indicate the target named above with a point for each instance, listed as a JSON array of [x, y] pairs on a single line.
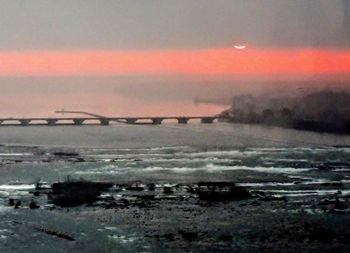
[[272, 157], [280, 162]]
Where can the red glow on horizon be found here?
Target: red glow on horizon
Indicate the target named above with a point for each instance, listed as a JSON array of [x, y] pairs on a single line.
[[224, 61]]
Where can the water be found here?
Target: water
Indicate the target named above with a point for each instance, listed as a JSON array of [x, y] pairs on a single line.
[[171, 152], [281, 162]]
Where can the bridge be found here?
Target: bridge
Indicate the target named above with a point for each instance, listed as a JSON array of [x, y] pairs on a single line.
[[95, 119]]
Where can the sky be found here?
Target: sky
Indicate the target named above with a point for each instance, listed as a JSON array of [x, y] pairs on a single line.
[[119, 37], [171, 42], [169, 24]]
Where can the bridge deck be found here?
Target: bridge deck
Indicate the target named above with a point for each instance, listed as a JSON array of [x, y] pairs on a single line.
[[55, 121]]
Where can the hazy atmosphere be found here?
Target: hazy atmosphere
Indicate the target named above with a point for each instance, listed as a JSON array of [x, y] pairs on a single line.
[[64, 52], [166, 24]]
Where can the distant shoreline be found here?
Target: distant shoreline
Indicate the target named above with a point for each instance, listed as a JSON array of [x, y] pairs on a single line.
[[298, 124], [324, 111]]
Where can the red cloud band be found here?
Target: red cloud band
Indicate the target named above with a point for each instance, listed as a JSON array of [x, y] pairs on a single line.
[[225, 61]]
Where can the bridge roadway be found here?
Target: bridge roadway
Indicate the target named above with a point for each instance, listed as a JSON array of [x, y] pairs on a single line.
[[104, 121]]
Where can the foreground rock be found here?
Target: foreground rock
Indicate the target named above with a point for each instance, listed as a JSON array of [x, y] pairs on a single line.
[[69, 194], [211, 216], [220, 191]]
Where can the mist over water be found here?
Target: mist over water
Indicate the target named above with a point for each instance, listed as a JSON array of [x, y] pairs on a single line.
[[145, 95], [110, 96], [104, 104]]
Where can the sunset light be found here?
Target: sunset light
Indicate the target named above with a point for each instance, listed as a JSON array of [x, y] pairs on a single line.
[[218, 61]]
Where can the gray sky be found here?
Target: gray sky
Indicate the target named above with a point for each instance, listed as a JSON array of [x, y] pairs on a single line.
[[153, 24]]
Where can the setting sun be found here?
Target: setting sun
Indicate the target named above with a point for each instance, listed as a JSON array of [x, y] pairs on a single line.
[[240, 47]]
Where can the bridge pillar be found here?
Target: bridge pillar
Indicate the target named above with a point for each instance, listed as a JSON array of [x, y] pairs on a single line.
[[157, 121], [207, 120], [131, 121], [51, 122], [78, 122], [182, 120], [104, 122], [24, 122]]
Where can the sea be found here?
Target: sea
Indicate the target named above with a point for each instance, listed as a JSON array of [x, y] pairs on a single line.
[[171, 153], [282, 162]]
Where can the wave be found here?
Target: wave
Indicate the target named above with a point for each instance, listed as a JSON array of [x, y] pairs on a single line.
[[208, 168], [16, 154], [19, 187], [300, 193], [341, 170], [283, 170]]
